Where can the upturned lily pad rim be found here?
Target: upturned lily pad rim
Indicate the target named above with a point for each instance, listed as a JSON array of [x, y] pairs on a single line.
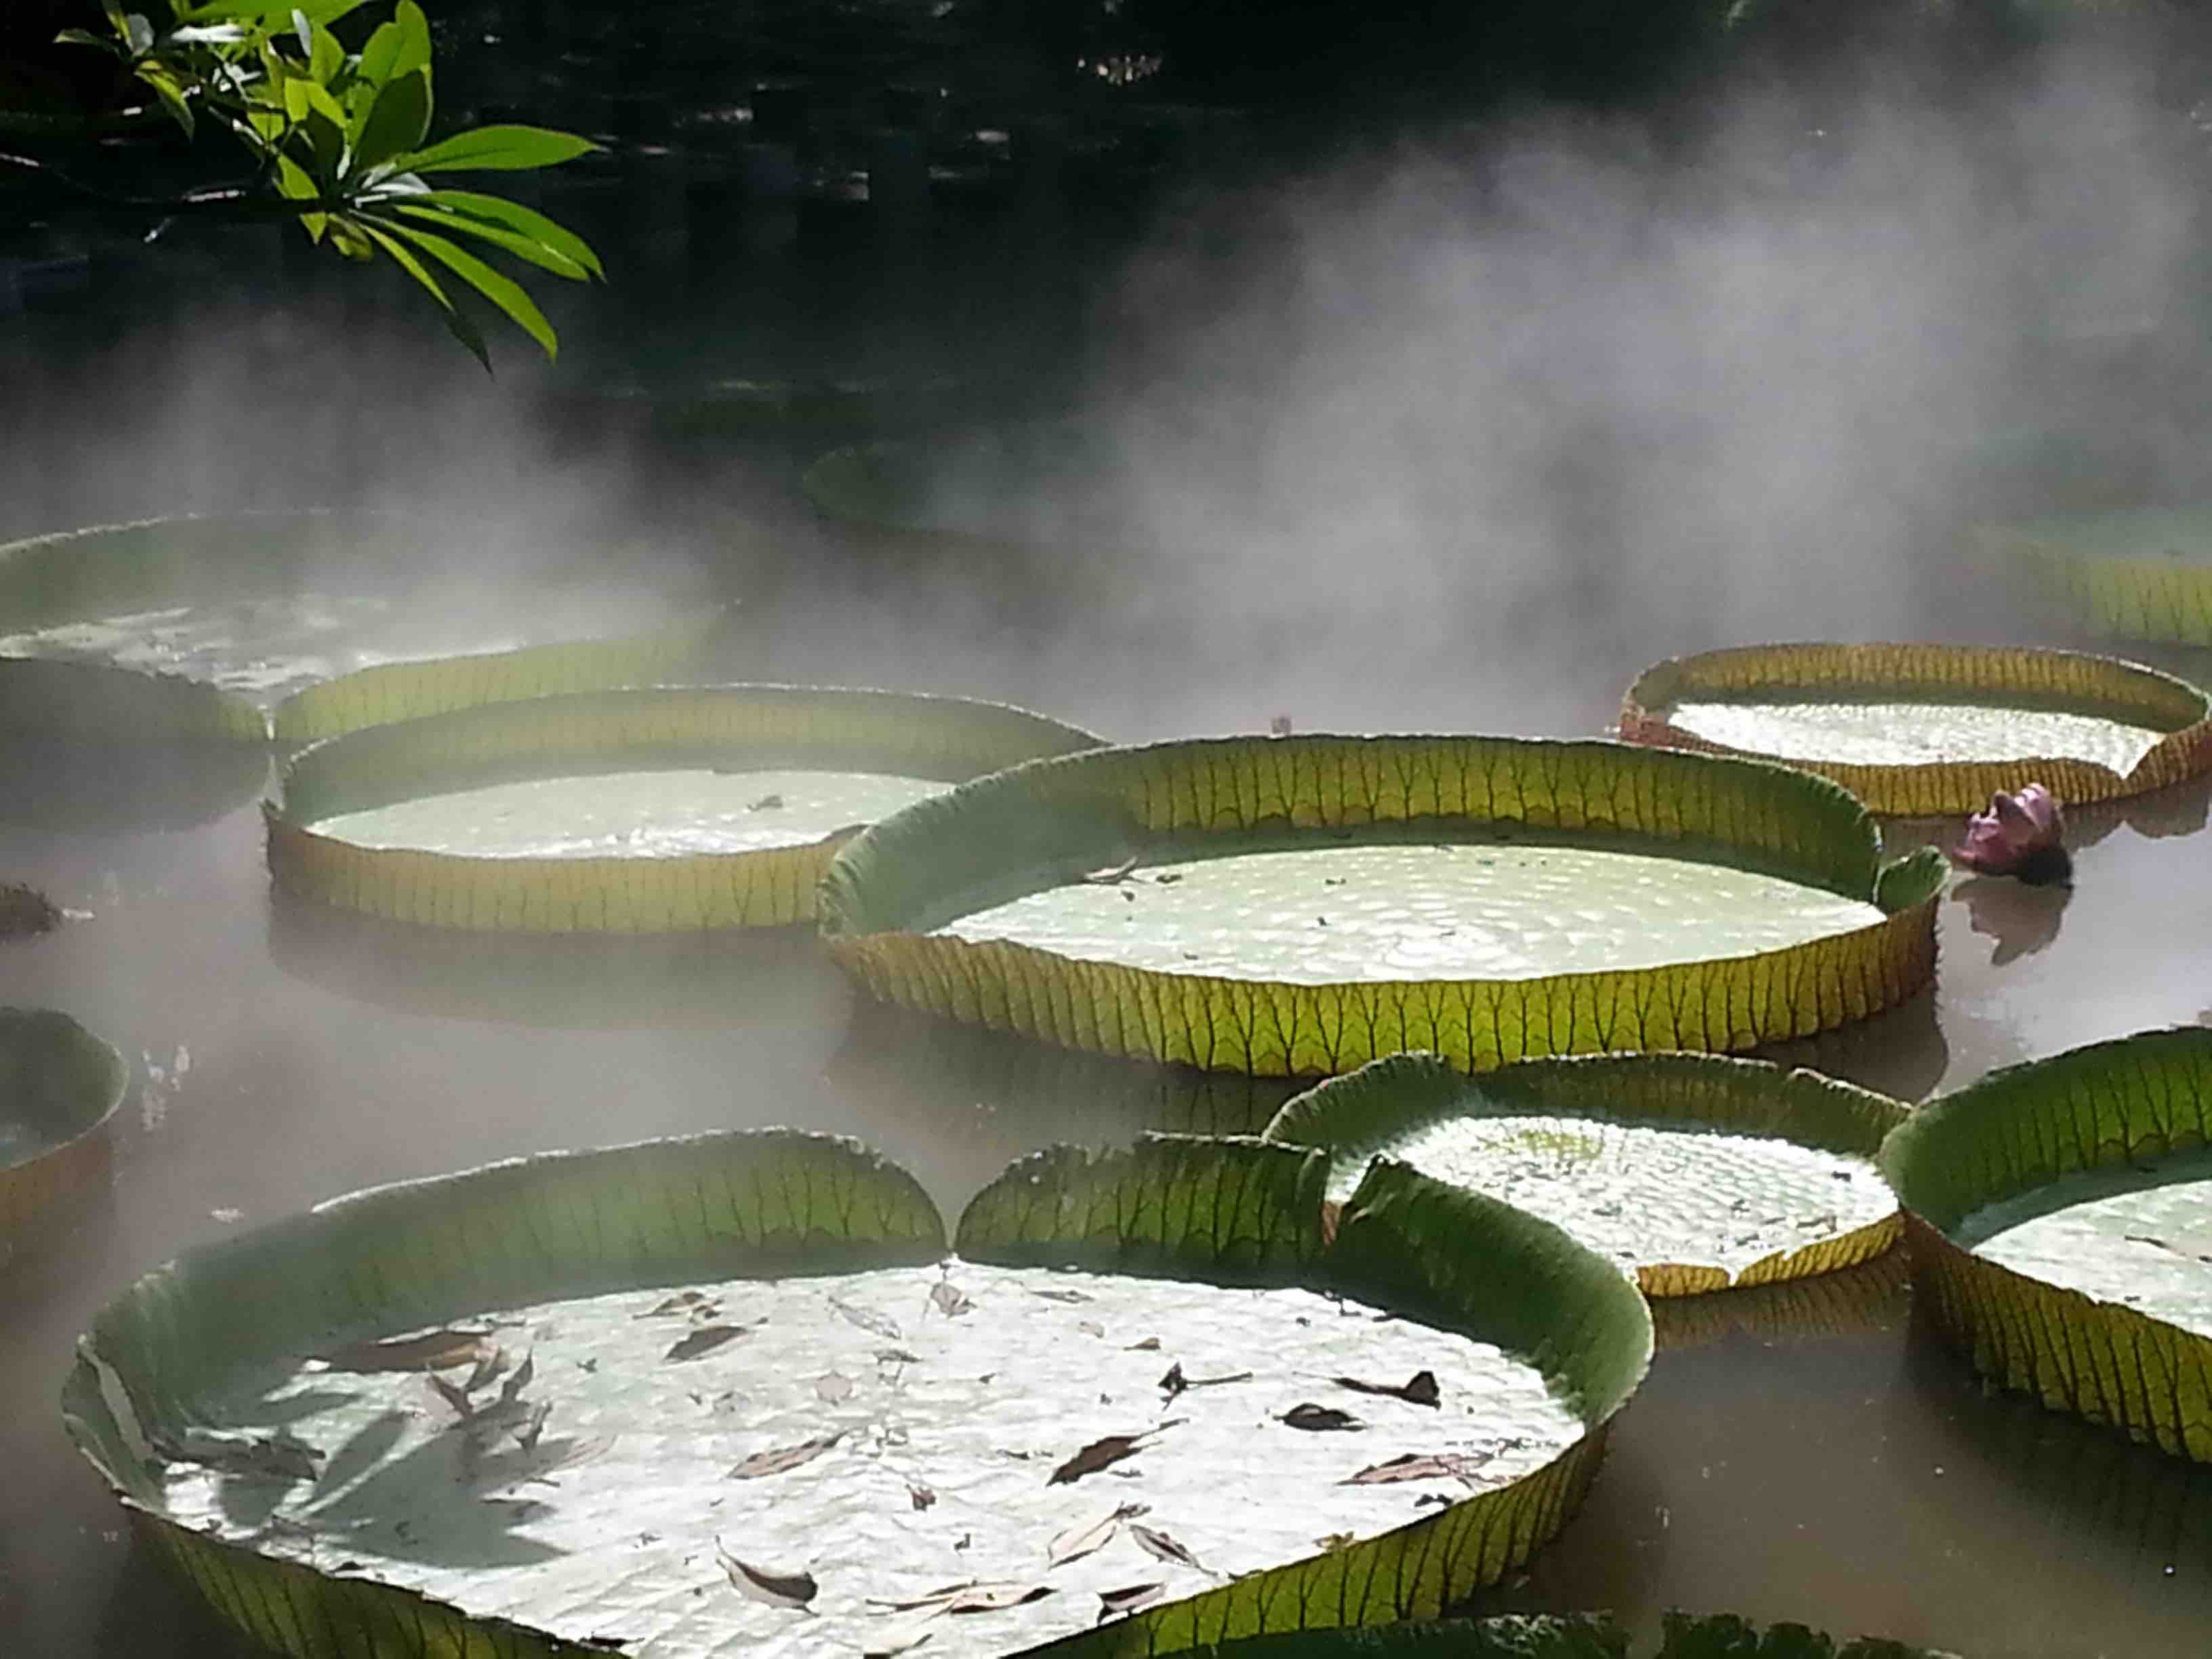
[[102, 1078], [1998, 676], [1049, 820], [784, 1203], [1556, 1636], [1353, 1116], [2139, 596], [71, 1152], [2129, 1100], [630, 728]]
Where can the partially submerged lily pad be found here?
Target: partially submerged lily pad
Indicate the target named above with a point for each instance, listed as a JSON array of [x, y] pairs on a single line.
[[264, 605], [59, 1085], [2055, 1216], [638, 811], [2136, 574], [1298, 906], [1932, 728], [722, 1395], [1691, 1172]]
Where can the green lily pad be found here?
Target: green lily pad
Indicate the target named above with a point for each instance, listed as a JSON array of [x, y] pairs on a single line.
[[2136, 574], [267, 604], [59, 1085], [635, 812], [1932, 728], [720, 1396], [1298, 906], [1691, 1172], [2055, 1215]]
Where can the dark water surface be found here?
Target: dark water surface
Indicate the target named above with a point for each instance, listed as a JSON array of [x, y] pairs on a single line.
[[1854, 1477]]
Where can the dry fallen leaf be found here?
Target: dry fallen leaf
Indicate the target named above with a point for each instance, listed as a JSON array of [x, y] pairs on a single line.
[[1419, 1390], [1150, 1345], [888, 1645], [1319, 1418], [1445, 1466], [682, 1302], [1061, 1296], [526, 1436], [434, 1350], [765, 804], [1156, 1543], [996, 1598], [867, 1321], [1090, 1328], [511, 1390], [778, 1588], [704, 1341], [948, 1298], [457, 1398], [1076, 1542], [920, 1497], [1337, 1541], [1115, 1602], [783, 1458], [834, 1387], [1111, 873], [1105, 1451], [486, 1368]]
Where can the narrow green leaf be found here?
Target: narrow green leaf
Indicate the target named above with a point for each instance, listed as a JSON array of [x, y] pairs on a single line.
[[83, 37], [523, 248], [171, 94], [295, 182], [377, 57], [397, 121], [413, 51], [498, 148], [274, 13], [528, 220], [325, 56], [502, 290], [464, 330]]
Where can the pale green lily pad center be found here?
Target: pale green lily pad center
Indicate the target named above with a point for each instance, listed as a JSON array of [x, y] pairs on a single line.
[[260, 648], [2142, 1241], [644, 814], [1655, 1195], [1914, 734], [921, 1429], [1394, 911]]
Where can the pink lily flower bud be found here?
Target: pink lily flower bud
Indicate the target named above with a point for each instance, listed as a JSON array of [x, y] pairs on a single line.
[[2020, 836]]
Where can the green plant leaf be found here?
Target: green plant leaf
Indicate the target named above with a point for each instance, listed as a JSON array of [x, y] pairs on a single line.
[[413, 50], [170, 92], [325, 56], [379, 55], [498, 148], [275, 13], [85, 38], [462, 329], [137, 34], [502, 290], [396, 121], [525, 222], [519, 246]]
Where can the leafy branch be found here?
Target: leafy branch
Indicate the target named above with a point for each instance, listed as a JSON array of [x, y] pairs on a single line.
[[341, 141]]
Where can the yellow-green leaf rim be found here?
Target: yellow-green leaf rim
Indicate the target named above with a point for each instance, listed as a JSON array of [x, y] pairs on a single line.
[[1089, 811], [59, 1085], [2149, 594], [1999, 676], [777, 1203], [1371, 1110], [948, 738], [390, 692], [2131, 1100]]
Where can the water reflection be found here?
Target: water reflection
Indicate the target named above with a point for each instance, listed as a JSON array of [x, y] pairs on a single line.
[[1901, 1053], [578, 982], [2021, 919], [1872, 1298]]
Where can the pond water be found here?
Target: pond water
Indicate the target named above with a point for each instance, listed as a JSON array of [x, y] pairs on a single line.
[[1855, 1476]]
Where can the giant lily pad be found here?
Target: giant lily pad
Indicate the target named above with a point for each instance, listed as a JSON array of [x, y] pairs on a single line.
[[721, 1396], [2136, 574], [2057, 1217], [85, 747], [638, 811], [1932, 728], [1299, 906], [1694, 1172], [264, 604], [59, 1085]]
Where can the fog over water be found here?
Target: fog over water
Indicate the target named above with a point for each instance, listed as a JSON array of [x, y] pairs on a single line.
[[1454, 431]]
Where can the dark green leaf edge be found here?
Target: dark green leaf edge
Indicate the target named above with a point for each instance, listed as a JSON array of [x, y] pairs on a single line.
[[1562, 1635]]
